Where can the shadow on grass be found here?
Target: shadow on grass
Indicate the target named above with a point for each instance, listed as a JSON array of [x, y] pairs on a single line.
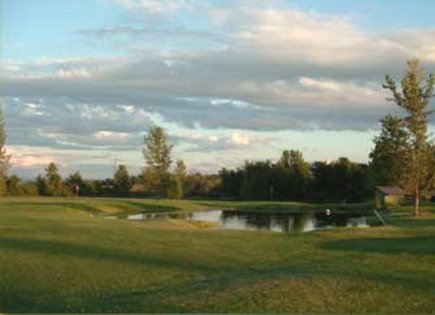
[[414, 223], [99, 253], [216, 279], [72, 205], [424, 245]]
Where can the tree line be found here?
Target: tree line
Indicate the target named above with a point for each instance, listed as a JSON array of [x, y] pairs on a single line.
[[292, 178]]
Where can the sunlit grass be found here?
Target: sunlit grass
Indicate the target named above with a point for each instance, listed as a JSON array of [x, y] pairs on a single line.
[[61, 255]]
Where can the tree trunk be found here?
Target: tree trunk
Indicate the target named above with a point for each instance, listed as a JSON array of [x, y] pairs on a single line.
[[417, 202]]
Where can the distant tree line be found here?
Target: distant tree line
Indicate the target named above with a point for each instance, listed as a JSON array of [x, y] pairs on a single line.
[[292, 178], [160, 178]]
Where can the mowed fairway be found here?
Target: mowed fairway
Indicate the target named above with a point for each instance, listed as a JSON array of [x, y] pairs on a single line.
[[59, 255]]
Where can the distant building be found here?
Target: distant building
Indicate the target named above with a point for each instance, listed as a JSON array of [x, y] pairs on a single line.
[[387, 196]]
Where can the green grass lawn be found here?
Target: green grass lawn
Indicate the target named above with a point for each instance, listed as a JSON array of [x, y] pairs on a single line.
[[61, 255]]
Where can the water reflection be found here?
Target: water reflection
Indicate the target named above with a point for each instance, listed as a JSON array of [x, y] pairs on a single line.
[[278, 222]]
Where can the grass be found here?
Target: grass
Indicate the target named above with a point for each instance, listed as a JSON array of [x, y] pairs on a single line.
[[60, 255]]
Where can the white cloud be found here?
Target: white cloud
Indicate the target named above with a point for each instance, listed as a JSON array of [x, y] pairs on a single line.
[[306, 36], [110, 135], [158, 6], [129, 109], [73, 73], [239, 139], [213, 138], [327, 85], [32, 109]]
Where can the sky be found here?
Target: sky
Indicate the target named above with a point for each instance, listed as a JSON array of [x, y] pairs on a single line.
[[81, 81]]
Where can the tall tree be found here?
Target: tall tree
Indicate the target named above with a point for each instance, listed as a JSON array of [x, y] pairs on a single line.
[[122, 180], [180, 173], [292, 176], [41, 185], [157, 154], [53, 180], [414, 96], [180, 170], [4, 157], [389, 157]]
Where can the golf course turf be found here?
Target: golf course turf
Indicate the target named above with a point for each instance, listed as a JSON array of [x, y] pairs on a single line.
[[62, 255]]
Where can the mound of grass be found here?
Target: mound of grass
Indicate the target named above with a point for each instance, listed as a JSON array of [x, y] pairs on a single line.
[[55, 257]]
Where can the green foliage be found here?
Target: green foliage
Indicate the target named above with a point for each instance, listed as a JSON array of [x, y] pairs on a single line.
[[122, 180], [51, 183], [157, 154], [341, 180], [53, 180], [4, 157], [202, 185], [153, 182], [13, 186], [41, 185], [414, 96], [156, 149], [231, 181], [390, 155], [291, 178], [180, 173], [16, 187], [174, 188], [257, 182], [29, 189]]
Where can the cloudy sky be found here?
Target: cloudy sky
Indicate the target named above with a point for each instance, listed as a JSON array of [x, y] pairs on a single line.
[[81, 81]]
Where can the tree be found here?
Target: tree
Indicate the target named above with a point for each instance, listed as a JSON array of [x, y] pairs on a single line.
[[41, 185], [414, 96], [257, 182], [291, 176], [122, 180], [4, 157], [180, 173], [389, 156], [13, 186], [157, 154], [53, 180], [180, 170], [75, 180], [230, 182], [174, 187]]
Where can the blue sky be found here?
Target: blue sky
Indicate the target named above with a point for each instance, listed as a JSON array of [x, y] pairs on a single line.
[[82, 80]]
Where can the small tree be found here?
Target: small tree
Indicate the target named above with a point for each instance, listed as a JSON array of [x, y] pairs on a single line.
[[174, 187], [180, 174], [157, 154], [389, 157], [414, 97], [14, 186], [41, 185], [53, 180], [4, 157], [122, 180], [75, 181]]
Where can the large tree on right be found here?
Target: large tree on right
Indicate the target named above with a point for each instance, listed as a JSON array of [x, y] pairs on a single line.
[[414, 95]]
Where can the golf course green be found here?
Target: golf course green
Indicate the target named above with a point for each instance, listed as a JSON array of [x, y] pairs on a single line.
[[62, 255]]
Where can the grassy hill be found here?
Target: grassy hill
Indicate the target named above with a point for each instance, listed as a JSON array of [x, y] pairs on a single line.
[[60, 255]]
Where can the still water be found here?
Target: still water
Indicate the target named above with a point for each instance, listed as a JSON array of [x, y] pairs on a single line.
[[278, 222]]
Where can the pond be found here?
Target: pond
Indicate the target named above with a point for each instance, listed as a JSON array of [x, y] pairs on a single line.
[[278, 222]]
